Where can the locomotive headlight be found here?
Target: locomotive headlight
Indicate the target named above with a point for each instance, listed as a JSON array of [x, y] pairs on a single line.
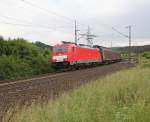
[[60, 58], [54, 59]]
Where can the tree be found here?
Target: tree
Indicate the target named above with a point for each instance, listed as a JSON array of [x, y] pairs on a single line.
[[20, 58], [1, 38]]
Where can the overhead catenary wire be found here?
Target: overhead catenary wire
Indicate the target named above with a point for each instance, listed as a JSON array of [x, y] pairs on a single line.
[[29, 26], [120, 32], [51, 12], [12, 18], [24, 25], [56, 14], [48, 11], [23, 20], [29, 23]]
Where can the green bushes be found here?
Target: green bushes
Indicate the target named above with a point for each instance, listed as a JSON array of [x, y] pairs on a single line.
[[145, 59], [12, 67], [146, 55], [19, 58]]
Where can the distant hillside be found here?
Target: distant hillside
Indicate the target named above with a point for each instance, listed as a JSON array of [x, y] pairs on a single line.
[[42, 45], [134, 49]]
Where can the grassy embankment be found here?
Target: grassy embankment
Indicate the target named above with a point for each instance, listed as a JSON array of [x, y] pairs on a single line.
[[120, 97]]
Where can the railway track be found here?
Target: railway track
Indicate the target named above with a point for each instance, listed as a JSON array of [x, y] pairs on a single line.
[[46, 87], [3, 83]]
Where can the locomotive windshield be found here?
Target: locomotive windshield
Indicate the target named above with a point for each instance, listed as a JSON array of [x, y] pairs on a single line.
[[59, 49]]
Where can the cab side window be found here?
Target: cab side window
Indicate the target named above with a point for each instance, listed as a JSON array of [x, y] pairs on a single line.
[[72, 49]]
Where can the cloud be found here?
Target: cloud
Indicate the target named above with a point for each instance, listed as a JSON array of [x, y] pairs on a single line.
[[99, 14]]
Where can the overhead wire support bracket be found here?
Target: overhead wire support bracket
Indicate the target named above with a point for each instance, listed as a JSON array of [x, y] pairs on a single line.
[[120, 33], [76, 33], [129, 37]]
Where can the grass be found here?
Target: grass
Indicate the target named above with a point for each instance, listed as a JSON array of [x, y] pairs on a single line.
[[120, 97]]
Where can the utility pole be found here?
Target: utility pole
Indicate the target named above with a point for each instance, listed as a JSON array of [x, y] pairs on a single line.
[[76, 32], [111, 44], [89, 42], [129, 27], [89, 36], [111, 41]]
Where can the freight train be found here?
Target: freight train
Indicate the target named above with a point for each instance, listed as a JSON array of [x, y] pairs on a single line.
[[68, 54]]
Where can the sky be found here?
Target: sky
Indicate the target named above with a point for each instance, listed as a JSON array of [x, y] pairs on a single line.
[[52, 21]]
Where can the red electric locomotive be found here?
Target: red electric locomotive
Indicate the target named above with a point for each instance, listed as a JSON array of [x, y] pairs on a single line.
[[70, 54]]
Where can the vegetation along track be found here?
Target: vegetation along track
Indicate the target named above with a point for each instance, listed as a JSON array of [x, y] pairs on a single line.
[[49, 86]]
